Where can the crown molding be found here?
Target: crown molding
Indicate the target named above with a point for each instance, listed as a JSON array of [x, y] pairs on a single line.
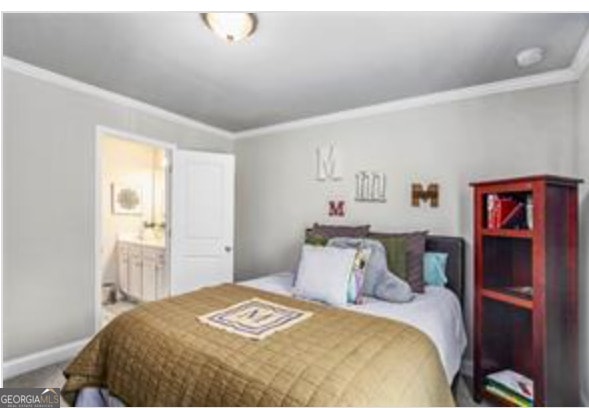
[[531, 81], [571, 74], [581, 60], [85, 88]]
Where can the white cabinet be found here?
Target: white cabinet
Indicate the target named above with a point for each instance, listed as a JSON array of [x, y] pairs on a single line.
[[142, 269]]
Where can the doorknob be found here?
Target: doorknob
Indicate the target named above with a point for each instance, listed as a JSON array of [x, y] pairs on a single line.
[[228, 248]]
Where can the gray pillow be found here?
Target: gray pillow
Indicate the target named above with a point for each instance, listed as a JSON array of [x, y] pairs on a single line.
[[378, 281], [391, 288]]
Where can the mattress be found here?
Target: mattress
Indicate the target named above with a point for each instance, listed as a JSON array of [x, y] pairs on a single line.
[[437, 313]]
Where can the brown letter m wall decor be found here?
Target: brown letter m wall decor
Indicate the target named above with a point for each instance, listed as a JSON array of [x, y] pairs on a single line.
[[431, 194]]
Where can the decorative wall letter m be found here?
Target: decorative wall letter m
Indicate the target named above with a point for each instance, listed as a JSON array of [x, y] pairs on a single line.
[[336, 208], [431, 194], [328, 164], [371, 187]]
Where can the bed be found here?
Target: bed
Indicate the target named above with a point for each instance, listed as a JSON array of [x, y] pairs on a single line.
[[373, 354]]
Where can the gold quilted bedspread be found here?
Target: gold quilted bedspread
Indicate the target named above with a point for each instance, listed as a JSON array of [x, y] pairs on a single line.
[[160, 355]]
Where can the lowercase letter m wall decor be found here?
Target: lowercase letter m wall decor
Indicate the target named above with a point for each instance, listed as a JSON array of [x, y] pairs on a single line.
[[371, 187]]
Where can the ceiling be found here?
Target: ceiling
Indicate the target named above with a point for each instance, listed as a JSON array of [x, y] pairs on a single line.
[[297, 65]]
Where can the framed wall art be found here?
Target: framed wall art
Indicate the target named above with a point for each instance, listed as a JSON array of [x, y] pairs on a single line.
[[126, 199]]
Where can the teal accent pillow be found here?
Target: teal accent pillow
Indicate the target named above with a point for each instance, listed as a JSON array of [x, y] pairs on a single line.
[[434, 268]]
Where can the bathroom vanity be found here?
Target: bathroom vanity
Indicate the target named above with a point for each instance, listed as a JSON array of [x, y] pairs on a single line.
[[142, 270]]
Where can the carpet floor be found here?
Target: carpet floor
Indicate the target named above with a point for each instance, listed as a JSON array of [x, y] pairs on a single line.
[[45, 377]]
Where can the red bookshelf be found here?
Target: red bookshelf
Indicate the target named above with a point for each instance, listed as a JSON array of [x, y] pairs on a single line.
[[526, 283]]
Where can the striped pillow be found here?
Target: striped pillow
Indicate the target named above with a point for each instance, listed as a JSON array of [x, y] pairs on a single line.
[[415, 252], [357, 274]]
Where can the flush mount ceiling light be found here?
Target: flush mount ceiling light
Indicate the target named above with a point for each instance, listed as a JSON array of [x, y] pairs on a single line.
[[232, 27], [529, 56]]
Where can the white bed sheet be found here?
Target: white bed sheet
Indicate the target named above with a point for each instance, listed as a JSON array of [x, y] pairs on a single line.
[[437, 313]]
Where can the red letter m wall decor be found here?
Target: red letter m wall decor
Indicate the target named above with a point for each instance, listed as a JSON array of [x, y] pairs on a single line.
[[337, 208]]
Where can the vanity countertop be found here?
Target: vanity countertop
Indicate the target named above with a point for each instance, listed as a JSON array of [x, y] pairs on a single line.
[[152, 242]]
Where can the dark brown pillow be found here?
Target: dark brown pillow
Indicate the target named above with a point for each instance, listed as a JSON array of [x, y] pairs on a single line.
[[415, 253], [334, 231], [415, 242]]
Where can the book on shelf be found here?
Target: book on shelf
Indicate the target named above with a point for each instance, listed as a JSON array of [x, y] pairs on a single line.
[[515, 218], [524, 291], [491, 212], [508, 396], [512, 386], [493, 203], [508, 212]]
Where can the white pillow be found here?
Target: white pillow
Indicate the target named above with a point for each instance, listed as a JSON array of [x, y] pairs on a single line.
[[324, 273]]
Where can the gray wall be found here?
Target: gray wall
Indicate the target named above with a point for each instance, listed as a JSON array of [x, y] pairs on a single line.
[[49, 185], [504, 135], [583, 164], [48, 191]]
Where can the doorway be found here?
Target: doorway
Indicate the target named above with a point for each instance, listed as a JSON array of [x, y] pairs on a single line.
[[174, 230], [133, 241]]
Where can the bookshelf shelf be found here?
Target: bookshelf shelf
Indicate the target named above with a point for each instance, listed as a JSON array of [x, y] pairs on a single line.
[[508, 233], [502, 295], [526, 287]]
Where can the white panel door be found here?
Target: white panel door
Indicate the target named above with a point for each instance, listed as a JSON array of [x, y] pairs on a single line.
[[203, 190]]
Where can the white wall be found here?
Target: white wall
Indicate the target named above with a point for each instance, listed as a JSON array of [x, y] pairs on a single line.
[[518, 133], [135, 164], [583, 169], [49, 156]]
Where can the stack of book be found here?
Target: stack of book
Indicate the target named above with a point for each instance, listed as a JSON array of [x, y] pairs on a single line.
[[506, 212], [512, 387]]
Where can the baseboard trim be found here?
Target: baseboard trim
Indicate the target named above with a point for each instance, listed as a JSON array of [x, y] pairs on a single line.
[[467, 367], [24, 364]]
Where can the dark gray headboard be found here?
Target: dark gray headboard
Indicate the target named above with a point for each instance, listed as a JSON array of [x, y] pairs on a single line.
[[455, 269]]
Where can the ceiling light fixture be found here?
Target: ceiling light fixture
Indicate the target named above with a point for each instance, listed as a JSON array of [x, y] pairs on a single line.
[[232, 27], [529, 56]]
